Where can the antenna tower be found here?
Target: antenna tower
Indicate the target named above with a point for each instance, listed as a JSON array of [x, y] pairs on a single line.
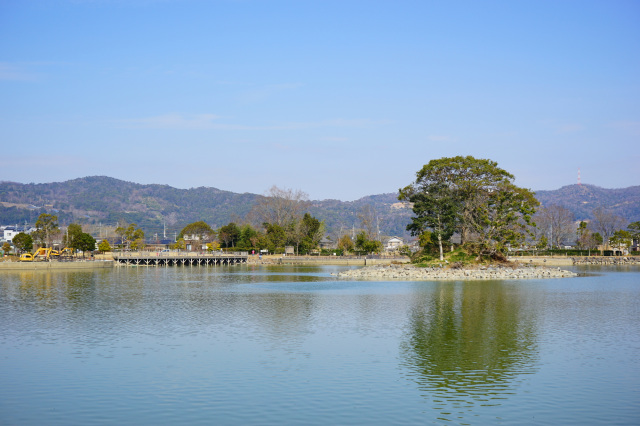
[[579, 176]]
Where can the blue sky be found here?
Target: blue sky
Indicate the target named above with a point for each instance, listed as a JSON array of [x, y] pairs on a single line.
[[340, 99]]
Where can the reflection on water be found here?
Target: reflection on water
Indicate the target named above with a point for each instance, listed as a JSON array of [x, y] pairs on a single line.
[[469, 344], [291, 344]]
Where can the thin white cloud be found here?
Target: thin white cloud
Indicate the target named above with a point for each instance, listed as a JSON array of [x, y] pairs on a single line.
[[214, 122], [11, 72]]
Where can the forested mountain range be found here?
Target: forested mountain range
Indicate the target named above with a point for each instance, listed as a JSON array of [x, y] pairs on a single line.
[[583, 199], [156, 208]]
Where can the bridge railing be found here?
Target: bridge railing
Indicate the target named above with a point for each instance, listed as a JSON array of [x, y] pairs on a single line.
[[181, 254]]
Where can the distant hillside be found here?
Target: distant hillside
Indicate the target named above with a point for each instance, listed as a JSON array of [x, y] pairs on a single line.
[[101, 199], [583, 199], [105, 200]]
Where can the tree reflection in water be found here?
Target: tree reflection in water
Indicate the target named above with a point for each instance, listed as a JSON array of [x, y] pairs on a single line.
[[469, 344]]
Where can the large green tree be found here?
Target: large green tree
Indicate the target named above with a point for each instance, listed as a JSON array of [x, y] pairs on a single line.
[[467, 178], [72, 236], [23, 242], [248, 238], [473, 197], [275, 236], [86, 243], [365, 245], [503, 220], [435, 208], [228, 235], [310, 231]]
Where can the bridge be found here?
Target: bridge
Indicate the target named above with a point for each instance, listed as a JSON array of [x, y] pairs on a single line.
[[180, 259]]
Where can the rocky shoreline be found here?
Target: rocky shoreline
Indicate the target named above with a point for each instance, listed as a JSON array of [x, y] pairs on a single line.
[[412, 273], [627, 260]]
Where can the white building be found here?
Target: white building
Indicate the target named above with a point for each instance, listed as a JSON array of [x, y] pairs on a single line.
[[393, 243], [8, 232]]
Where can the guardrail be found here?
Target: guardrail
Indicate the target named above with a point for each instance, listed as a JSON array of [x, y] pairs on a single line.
[[178, 254]]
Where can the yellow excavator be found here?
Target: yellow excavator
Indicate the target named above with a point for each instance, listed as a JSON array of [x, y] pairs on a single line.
[[66, 254], [40, 255], [26, 257]]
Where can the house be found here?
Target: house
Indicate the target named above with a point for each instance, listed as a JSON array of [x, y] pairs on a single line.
[[392, 243], [196, 242], [327, 244], [157, 245], [8, 232]]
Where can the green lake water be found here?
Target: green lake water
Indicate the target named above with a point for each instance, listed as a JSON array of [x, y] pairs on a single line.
[[258, 345]]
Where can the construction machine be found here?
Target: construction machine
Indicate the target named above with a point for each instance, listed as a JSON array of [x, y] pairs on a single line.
[[41, 254]]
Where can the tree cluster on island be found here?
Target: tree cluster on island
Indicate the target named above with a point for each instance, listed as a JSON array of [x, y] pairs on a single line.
[[478, 203], [473, 199]]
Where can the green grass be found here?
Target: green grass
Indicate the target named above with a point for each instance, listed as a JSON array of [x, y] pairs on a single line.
[[458, 257]]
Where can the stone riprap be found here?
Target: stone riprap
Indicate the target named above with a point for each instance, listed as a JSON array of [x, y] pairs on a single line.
[[413, 273], [627, 260]]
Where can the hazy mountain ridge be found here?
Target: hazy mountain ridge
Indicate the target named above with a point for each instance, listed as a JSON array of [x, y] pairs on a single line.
[[106, 200], [583, 199]]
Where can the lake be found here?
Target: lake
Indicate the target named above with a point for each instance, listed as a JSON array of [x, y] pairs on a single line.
[[272, 345]]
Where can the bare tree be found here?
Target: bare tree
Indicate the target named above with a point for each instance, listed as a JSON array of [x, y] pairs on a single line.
[[606, 223], [369, 221], [282, 207], [556, 223]]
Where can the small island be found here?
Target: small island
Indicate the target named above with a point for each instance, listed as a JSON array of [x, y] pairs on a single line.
[[476, 201], [406, 272]]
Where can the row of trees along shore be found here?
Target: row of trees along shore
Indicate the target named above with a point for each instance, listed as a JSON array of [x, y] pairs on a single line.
[[477, 202], [458, 201], [556, 228], [283, 222], [279, 219], [47, 229]]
